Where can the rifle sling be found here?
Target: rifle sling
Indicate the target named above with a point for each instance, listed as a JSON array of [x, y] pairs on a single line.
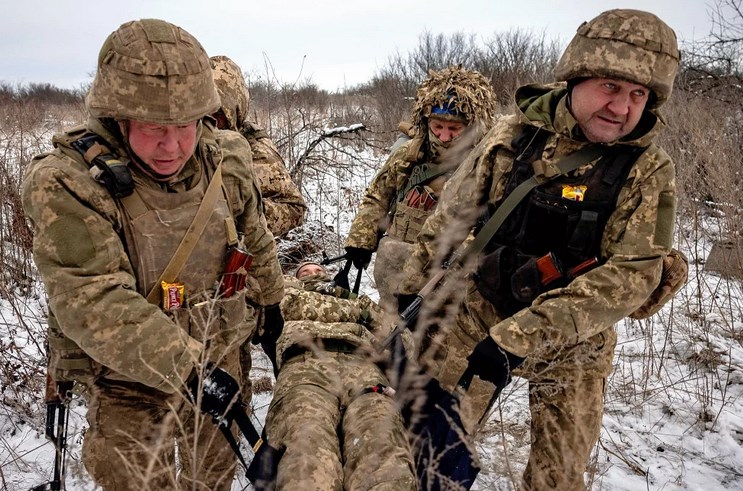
[[191, 237], [566, 165]]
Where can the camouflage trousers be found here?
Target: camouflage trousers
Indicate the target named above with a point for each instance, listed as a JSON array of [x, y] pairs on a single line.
[[130, 444], [388, 270], [566, 399], [337, 436]]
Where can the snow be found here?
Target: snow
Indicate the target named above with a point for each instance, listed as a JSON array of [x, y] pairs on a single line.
[[674, 408]]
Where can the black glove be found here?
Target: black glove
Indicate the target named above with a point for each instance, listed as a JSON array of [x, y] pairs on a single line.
[[273, 324], [359, 257], [492, 363], [218, 391]]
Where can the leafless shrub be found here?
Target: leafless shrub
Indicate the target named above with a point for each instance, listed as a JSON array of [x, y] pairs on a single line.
[[508, 59], [517, 57], [714, 65]]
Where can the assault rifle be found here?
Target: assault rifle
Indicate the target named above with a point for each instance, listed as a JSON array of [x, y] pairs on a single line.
[[57, 398], [261, 471], [330, 260], [487, 232]]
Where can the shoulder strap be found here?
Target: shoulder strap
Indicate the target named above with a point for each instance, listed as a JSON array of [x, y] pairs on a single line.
[[421, 174], [188, 242], [567, 164]]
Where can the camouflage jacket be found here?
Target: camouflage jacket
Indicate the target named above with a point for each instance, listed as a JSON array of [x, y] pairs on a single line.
[[283, 202], [312, 312], [376, 212], [90, 281], [639, 231], [378, 200]]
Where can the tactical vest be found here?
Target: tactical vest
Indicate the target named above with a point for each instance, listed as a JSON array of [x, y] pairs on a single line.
[[555, 232], [417, 201], [154, 222]]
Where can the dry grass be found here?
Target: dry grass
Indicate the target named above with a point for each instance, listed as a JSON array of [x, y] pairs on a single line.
[[704, 137]]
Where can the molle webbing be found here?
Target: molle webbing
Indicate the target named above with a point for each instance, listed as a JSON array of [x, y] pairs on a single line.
[[422, 174]]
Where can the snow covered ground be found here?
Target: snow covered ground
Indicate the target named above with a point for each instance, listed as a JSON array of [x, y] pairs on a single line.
[[674, 412]]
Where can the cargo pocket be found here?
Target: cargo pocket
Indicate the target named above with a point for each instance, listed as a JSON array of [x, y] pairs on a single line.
[[407, 222], [67, 361]]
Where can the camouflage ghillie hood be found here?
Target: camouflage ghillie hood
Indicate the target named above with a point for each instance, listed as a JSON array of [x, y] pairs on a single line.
[[624, 44], [151, 70], [233, 91], [467, 92]]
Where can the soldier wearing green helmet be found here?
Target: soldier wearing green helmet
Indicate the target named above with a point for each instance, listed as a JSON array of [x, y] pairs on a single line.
[[579, 252], [134, 215], [405, 190]]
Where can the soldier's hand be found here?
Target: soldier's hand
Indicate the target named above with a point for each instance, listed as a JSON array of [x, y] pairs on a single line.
[[492, 363], [273, 325], [359, 257], [217, 391]]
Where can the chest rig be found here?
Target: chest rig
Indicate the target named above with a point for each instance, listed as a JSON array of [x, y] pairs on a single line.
[[417, 200], [154, 223], [554, 234]]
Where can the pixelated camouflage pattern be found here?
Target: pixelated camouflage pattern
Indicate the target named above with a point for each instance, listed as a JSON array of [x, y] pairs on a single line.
[[311, 314], [283, 202], [88, 275], [388, 270], [285, 207], [636, 237], [316, 398], [232, 89], [567, 334], [113, 450], [471, 94], [674, 277], [321, 394], [468, 92], [151, 70], [378, 200], [625, 44]]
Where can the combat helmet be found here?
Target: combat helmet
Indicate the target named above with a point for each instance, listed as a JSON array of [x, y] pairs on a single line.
[[151, 70], [454, 94], [631, 45], [232, 89]]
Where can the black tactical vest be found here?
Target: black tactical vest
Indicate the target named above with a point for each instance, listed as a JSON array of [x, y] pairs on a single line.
[[556, 228]]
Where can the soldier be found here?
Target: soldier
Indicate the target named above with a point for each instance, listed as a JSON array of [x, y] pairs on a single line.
[[133, 215], [284, 205], [577, 254], [406, 189], [332, 411]]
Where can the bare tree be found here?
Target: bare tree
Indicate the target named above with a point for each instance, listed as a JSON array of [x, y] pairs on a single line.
[[714, 66], [517, 57]]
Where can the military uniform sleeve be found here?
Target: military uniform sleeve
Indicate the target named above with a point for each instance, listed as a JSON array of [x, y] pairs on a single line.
[[247, 207], [639, 232], [90, 281], [377, 201], [460, 205], [283, 202]]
